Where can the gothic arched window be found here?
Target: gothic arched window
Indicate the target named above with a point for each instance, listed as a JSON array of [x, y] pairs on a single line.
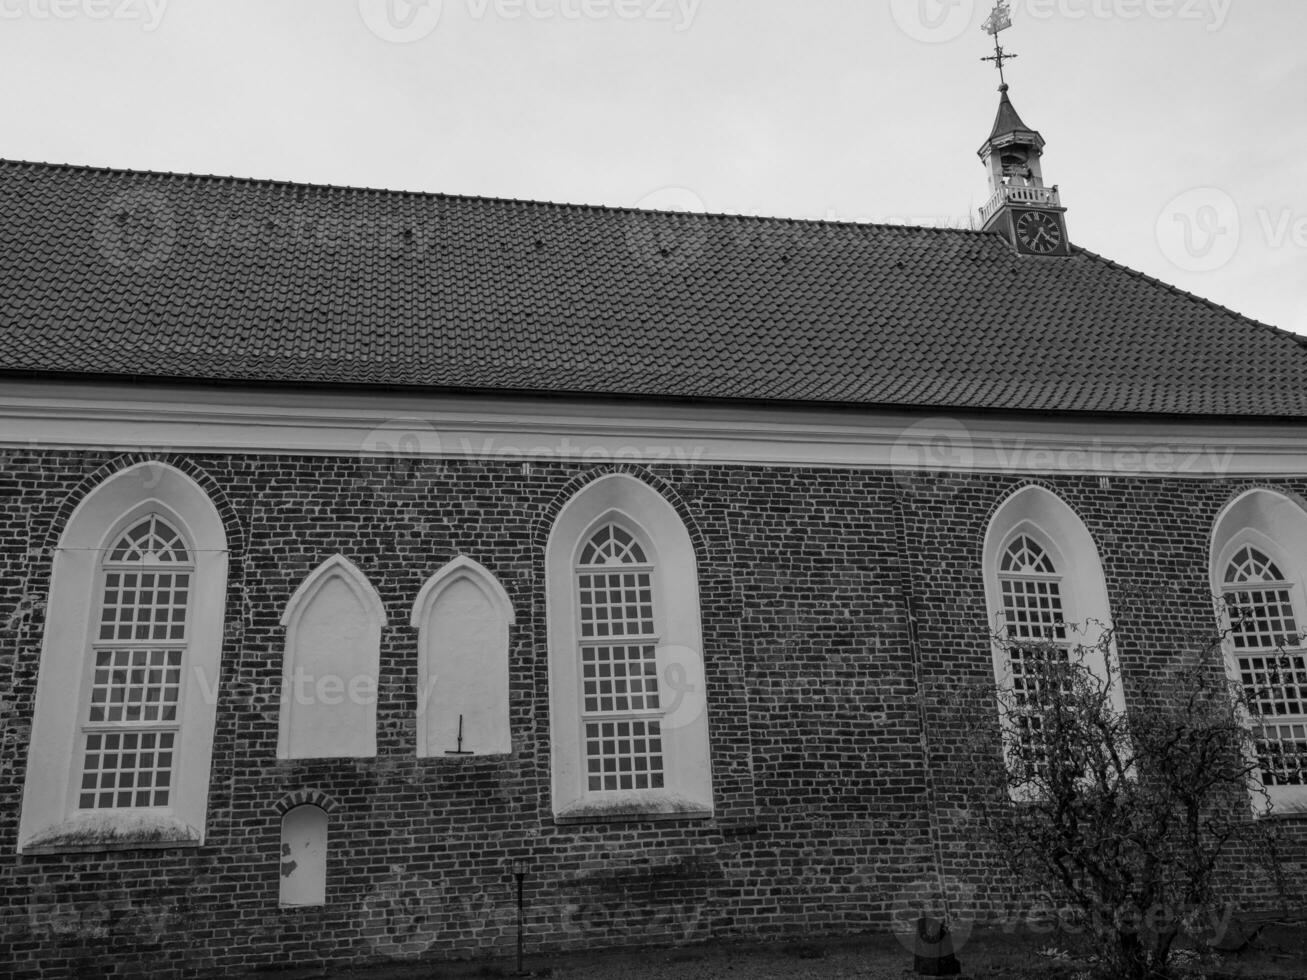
[[130, 724], [628, 704], [1271, 662], [128, 687], [1257, 573], [1035, 623], [620, 706], [1047, 599]]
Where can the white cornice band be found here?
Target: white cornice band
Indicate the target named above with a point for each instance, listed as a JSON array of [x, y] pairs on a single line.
[[213, 420]]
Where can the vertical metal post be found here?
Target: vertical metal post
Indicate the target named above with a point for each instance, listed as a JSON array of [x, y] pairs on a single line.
[[519, 872]]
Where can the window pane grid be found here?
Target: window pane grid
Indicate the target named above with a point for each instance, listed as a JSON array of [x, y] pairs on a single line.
[[135, 686], [616, 604], [135, 674], [145, 606], [125, 769], [1261, 618], [1282, 754], [1032, 609], [624, 755], [1262, 625], [1275, 685], [619, 678], [1028, 664]]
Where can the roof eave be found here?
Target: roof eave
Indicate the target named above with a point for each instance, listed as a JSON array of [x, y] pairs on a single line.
[[594, 397]]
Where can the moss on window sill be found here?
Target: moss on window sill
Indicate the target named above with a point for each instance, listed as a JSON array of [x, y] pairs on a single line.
[[634, 809], [113, 831]]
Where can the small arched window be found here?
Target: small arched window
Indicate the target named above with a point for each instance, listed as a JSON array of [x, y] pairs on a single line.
[[303, 864], [130, 724]]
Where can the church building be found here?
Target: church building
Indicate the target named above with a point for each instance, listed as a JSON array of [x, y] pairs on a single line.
[[364, 554]]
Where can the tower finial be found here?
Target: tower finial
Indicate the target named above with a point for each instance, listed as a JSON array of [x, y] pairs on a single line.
[[998, 21]]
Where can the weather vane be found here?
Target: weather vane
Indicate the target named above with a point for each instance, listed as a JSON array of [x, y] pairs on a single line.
[[1000, 20]]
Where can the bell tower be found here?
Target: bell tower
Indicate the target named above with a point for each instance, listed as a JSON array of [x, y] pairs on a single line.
[[1020, 208]]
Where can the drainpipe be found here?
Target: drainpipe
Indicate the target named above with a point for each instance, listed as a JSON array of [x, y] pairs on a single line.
[[914, 647]]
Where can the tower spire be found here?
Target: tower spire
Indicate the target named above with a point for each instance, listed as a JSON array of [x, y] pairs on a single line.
[[1021, 208]]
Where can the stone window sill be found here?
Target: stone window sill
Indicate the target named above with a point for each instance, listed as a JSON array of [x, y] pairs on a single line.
[[118, 831], [1284, 816], [633, 810]]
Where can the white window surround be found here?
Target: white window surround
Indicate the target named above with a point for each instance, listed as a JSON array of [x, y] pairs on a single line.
[[1276, 525], [51, 819], [687, 790], [463, 617], [1047, 520], [329, 691]]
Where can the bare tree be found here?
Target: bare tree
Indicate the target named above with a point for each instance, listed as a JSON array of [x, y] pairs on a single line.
[[1125, 817]]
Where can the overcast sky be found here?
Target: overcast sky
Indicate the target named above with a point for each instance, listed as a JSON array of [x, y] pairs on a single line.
[[1177, 129]]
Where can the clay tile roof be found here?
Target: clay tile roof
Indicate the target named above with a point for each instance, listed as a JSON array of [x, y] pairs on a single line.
[[162, 276]]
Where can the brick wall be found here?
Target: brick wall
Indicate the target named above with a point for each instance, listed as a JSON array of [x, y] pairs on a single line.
[[828, 814]]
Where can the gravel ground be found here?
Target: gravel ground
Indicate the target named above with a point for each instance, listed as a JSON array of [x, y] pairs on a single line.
[[865, 957], [990, 956]]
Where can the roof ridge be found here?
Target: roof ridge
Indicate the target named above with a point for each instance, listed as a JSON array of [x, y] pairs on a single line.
[[1203, 300], [225, 179]]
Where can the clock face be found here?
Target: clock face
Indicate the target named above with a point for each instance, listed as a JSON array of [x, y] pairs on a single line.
[[1039, 232]]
